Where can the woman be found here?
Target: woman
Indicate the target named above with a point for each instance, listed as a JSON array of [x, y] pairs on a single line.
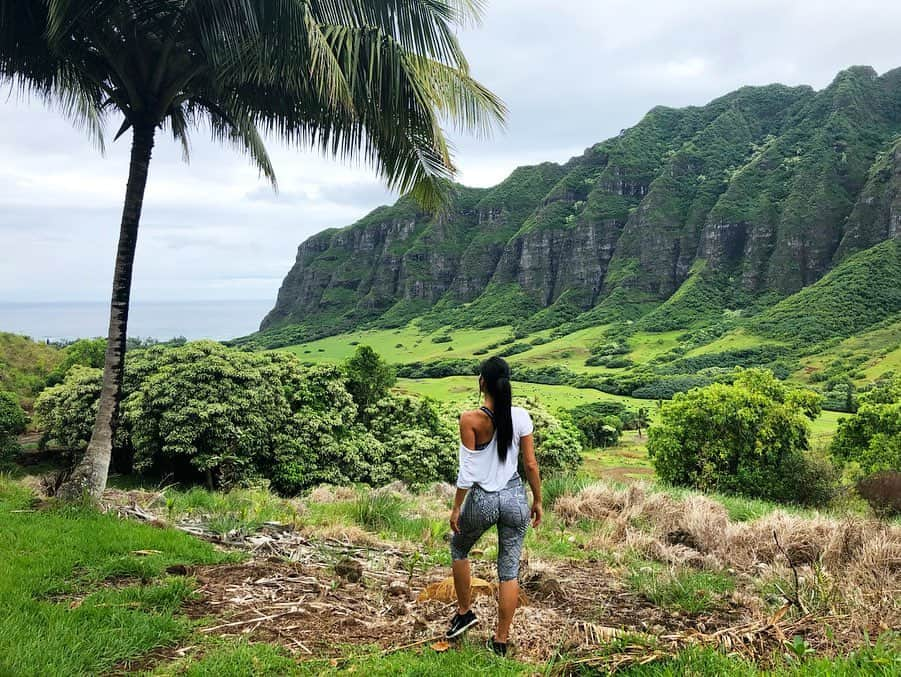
[[491, 440]]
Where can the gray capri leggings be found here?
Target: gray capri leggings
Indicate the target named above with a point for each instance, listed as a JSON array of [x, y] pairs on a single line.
[[482, 509]]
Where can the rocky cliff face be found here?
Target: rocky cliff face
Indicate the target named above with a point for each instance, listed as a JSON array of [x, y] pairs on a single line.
[[768, 188]]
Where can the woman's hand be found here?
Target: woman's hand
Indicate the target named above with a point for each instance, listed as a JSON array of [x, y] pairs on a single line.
[[455, 520], [537, 513]]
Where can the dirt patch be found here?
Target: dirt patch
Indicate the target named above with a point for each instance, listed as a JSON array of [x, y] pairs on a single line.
[[314, 612]]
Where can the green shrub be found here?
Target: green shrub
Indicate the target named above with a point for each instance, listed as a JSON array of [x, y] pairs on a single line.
[[420, 438], [65, 412], [369, 377], [558, 445], [872, 436], [439, 368], [666, 387], [84, 352], [12, 424], [443, 338], [605, 408], [746, 438], [205, 412], [599, 431]]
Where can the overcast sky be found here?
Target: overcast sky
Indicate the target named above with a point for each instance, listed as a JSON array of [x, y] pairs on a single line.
[[572, 72]]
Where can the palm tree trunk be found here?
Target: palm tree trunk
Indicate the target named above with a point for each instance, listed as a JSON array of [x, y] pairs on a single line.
[[89, 477]]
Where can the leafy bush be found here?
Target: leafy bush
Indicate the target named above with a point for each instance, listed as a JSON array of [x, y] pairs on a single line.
[[84, 352], [203, 411], [420, 439], [558, 445], [872, 436], [443, 338], [439, 368], [551, 374], [746, 438], [882, 491], [744, 357], [514, 349], [65, 412], [605, 408], [12, 424], [600, 431], [369, 377], [666, 387]]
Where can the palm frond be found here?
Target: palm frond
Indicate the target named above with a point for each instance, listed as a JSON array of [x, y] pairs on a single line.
[[369, 81]]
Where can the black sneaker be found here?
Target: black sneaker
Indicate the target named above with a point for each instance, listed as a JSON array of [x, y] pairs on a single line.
[[460, 623], [500, 648]]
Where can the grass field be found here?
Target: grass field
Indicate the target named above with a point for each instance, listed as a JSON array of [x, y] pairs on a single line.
[[738, 339], [83, 592], [874, 353], [407, 344], [465, 390]]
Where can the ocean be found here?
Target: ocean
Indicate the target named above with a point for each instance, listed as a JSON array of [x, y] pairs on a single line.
[[160, 320]]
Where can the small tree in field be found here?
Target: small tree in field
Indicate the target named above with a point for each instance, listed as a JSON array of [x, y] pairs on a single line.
[[369, 377], [747, 438], [370, 79]]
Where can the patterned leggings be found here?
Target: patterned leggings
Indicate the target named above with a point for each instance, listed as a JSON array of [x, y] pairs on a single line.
[[507, 509]]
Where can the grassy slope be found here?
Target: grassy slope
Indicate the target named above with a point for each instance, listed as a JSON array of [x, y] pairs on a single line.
[[878, 351], [406, 344], [51, 559], [25, 364]]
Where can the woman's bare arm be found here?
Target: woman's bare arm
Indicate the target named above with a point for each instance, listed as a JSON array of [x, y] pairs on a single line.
[[533, 475]]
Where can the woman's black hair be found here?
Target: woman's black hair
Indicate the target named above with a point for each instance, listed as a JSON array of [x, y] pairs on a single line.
[[495, 374]]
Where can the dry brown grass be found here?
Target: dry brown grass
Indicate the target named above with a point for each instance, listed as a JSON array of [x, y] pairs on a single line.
[[847, 567]]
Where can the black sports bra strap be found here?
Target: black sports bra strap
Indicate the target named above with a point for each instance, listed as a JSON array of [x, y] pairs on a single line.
[[489, 414]]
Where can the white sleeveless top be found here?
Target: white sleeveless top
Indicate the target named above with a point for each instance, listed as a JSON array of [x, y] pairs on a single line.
[[483, 467]]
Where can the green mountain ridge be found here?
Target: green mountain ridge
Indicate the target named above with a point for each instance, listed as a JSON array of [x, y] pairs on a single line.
[[730, 208]]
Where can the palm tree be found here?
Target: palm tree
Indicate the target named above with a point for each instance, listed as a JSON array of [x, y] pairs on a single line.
[[358, 79]]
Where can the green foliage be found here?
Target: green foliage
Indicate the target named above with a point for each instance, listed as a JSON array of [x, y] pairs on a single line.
[[862, 291], [84, 352], [205, 412], [667, 387], [65, 412], [691, 592], [12, 424], [604, 408], [599, 428], [369, 377], [558, 445], [872, 436], [25, 365], [439, 368], [419, 437], [756, 356], [747, 438]]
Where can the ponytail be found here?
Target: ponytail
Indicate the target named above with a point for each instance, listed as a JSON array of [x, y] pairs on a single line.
[[495, 373]]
